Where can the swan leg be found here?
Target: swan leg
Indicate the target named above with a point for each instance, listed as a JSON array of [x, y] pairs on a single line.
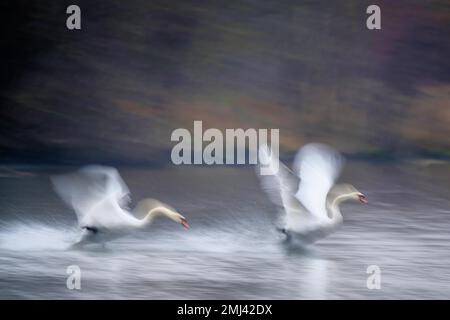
[[287, 235]]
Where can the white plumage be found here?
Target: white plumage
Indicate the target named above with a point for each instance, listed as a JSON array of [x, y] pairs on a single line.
[[100, 199], [307, 194]]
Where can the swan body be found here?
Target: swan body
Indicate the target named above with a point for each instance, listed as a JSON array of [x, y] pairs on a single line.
[[309, 199], [99, 197]]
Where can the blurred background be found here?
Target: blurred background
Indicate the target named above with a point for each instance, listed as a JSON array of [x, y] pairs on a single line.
[[114, 91]]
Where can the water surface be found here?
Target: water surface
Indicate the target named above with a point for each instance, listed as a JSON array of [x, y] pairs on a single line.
[[232, 250]]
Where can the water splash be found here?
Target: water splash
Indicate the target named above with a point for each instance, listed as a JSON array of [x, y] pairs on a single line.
[[36, 236]]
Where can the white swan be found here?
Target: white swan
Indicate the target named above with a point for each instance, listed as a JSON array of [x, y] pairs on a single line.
[[99, 197], [307, 195]]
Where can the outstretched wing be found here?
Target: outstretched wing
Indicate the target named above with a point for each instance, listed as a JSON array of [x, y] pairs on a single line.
[[97, 194], [280, 184], [318, 167]]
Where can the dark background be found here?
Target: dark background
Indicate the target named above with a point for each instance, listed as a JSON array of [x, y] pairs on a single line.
[[114, 91]]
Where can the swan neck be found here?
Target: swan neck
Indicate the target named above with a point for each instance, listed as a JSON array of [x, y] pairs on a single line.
[[339, 199], [334, 209], [157, 212]]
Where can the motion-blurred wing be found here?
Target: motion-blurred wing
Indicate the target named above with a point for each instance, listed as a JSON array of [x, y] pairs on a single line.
[[281, 184], [96, 193], [318, 167]]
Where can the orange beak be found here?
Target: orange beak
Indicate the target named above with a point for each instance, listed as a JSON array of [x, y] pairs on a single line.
[[363, 199], [184, 223]]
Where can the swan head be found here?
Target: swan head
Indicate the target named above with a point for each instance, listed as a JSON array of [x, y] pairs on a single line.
[[173, 215], [151, 208], [362, 198], [184, 222], [342, 192], [357, 195]]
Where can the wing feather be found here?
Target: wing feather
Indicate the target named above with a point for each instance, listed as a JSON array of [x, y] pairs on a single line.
[[318, 167], [281, 184], [97, 194]]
